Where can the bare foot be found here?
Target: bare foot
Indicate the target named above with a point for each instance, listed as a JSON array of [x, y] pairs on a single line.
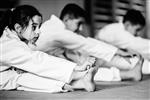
[[136, 72], [86, 82], [68, 87]]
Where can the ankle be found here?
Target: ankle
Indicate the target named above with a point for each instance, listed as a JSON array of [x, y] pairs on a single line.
[[137, 78], [90, 88]]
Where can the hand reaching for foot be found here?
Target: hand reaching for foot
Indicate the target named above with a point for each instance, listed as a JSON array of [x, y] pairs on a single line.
[[86, 82], [68, 88], [90, 62]]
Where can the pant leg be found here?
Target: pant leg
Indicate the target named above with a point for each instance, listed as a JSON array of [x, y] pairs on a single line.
[[31, 82], [146, 67], [8, 80], [122, 63], [108, 74]]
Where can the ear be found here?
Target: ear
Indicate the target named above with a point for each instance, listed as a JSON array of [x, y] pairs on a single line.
[[18, 28], [127, 23], [66, 18]]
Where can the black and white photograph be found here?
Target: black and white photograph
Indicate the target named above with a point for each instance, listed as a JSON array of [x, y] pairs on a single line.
[[74, 49]]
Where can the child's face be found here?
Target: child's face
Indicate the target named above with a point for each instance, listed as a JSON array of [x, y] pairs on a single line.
[[75, 25], [32, 31], [134, 29]]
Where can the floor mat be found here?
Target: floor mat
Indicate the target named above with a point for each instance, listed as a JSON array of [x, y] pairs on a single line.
[[104, 90]]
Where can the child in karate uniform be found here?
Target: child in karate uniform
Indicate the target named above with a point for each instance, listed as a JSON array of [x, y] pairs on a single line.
[[59, 35], [25, 69], [124, 35]]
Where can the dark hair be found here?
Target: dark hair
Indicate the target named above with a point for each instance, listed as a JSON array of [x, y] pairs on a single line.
[[21, 15], [135, 17], [74, 11]]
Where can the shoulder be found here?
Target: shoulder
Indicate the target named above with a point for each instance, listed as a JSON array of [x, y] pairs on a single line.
[[110, 29], [54, 23], [112, 26]]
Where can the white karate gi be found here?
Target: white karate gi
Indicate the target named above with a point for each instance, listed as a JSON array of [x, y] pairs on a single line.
[[103, 74], [53, 72], [116, 35], [55, 37]]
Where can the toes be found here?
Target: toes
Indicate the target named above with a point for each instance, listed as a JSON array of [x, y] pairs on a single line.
[[90, 88], [68, 87]]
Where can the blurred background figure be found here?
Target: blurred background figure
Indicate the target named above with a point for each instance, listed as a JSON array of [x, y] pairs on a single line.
[[101, 12]]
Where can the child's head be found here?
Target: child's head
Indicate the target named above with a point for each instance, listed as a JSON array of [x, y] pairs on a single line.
[[134, 21], [25, 20], [73, 17]]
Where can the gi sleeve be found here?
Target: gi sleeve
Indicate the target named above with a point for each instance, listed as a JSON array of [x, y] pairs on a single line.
[[18, 54], [88, 45]]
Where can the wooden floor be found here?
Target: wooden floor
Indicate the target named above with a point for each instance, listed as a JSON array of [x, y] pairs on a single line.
[[126, 90]]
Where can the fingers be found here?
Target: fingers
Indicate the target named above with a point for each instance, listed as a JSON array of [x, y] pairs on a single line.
[[128, 59], [68, 87], [124, 53], [141, 60], [90, 62]]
